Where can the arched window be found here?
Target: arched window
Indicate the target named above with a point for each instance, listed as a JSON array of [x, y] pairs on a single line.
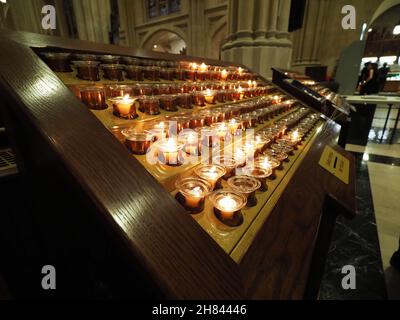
[[158, 8]]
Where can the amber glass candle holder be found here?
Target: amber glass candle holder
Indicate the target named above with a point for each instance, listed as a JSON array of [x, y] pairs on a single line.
[[199, 99], [149, 105], [113, 72], [152, 73], [184, 100], [180, 122], [196, 121], [190, 75], [227, 206], [192, 193], [85, 57], [207, 137], [180, 74], [211, 173], [137, 142], [88, 70], [209, 116], [259, 173], [124, 107], [160, 89], [143, 90], [119, 91], [246, 186], [168, 103], [170, 152], [94, 98], [167, 74], [135, 73], [58, 62], [210, 96]]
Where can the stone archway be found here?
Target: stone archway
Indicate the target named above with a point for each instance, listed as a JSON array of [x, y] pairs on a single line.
[[218, 35], [385, 6], [165, 40]]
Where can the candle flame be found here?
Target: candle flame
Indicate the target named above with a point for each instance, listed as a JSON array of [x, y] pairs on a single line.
[[196, 192], [227, 204], [240, 70], [126, 98]]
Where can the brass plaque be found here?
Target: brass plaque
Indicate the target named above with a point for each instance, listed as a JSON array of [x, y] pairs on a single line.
[[336, 164]]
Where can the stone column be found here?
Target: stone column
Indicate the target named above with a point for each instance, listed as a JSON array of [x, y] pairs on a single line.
[[93, 19], [197, 27], [261, 39], [307, 41]]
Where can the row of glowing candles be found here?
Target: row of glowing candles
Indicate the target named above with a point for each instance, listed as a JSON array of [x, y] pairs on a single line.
[[244, 178], [88, 64], [212, 125], [124, 97]]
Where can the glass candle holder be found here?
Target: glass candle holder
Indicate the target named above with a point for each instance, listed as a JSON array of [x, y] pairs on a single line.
[[168, 103], [262, 142], [58, 62], [221, 131], [179, 122], [88, 70], [229, 163], [149, 105], [160, 89], [180, 74], [94, 98], [234, 126], [170, 152], [280, 156], [220, 96], [196, 121], [191, 194], [142, 90], [259, 173], [227, 206], [224, 75], [167, 74], [113, 72], [209, 117], [211, 173], [210, 96], [191, 141], [283, 147], [268, 163], [152, 73], [190, 75], [207, 137], [119, 91], [137, 142], [184, 100], [199, 99], [124, 107], [109, 59], [134, 72], [246, 186]]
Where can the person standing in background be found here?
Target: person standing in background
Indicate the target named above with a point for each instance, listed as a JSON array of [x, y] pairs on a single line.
[[382, 76], [364, 74], [370, 85]]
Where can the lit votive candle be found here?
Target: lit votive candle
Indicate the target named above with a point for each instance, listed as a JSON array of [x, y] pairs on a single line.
[[268, 163], [199, 99], [192, 193], [209, 96], [170, 152], [124, 107], [137, 142], [234, 127], [227, 205], [192, 145], [202, 72], [246, 186], [211, 173], [224, 75], [221, 130], [280, 156]]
